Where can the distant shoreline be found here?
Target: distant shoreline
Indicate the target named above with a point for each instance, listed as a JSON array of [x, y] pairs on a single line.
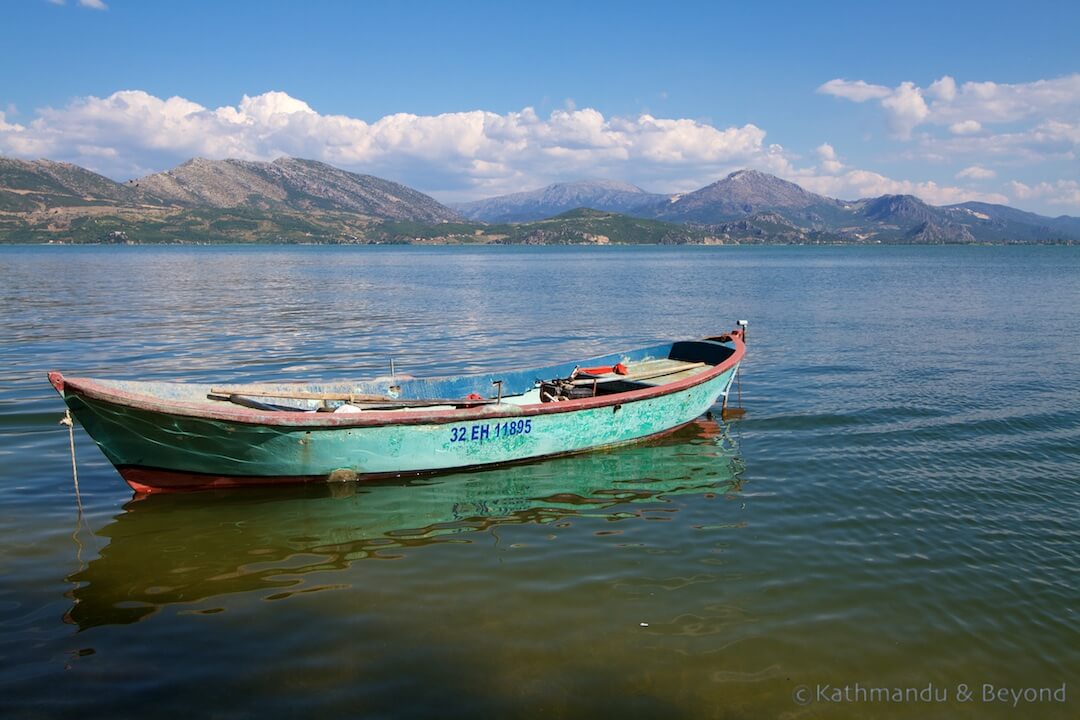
[[613, 245]]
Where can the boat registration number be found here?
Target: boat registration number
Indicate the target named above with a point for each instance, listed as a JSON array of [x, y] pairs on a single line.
[[490, 431]]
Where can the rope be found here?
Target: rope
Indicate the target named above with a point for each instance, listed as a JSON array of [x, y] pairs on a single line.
[[80, 516], [66, 420]]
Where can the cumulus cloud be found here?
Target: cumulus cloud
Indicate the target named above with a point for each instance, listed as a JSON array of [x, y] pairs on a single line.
[[463, 155], [5, 126], [856, 91], [976, 172], [943, 89], [904, 105], [967, 127], [968, 107], [835, 178], [906, 109], [453, 152], [990, 102], [854, 183], [1062, 192], [828, 160], [971, 123], [1052, 140]]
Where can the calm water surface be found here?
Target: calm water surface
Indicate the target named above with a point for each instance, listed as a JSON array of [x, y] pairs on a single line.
[[899, 508]]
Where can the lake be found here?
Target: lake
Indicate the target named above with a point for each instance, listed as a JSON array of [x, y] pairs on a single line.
[[897, 512]]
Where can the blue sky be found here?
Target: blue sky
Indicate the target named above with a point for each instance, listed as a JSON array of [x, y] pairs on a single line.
[[467, 100]]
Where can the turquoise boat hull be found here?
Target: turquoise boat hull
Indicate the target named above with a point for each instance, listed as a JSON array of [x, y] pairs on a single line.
[[170, 436]]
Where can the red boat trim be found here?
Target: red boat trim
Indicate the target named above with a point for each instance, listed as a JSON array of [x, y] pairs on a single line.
[[148, 480], [374, 418]]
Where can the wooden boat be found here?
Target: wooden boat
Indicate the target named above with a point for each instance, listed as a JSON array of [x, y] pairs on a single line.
[[185, 436]]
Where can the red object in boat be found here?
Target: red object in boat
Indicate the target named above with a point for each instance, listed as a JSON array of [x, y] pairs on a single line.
[[618, 369]]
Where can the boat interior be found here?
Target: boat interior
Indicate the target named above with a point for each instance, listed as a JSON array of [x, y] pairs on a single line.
[[602, 375]]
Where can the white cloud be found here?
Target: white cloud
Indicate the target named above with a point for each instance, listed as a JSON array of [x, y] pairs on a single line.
[[967, 127], [1062, 192], [461, 155], [853, 184], [1046, 141], [976, 172], [906, 109], [972, 102], [943, 89], [827, 159], [856, 91], [92, 4], [989, 102], [904, 105], [1028, 123], [1025, 192], [834, 178], [468, 153], [5, 126]]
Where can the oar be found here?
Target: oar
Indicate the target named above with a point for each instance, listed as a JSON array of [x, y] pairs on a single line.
[[351, 398], [301, 395]]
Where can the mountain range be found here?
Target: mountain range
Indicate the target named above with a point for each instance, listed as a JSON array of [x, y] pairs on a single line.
[[749, 204], [294, 200]]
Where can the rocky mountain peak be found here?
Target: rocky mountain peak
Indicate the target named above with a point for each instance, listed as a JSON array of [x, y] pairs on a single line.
[[898, 207], [749, 175], [741, 193], [552, 200]]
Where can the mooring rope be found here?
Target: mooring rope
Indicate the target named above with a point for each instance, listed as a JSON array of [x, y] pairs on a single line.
[[66, 420]]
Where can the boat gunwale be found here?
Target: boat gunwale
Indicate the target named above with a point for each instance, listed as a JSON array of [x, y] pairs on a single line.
[[91, 389]]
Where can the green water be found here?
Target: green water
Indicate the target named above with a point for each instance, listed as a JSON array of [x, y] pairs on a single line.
[[899, 509]]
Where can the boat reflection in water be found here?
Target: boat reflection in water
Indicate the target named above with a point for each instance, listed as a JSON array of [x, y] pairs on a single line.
[[187, 548]]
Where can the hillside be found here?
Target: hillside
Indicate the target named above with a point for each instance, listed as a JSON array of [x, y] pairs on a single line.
[[290, 184], [29, 185], [995, 223], [577, 227], [599, 227], [288, 200]]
